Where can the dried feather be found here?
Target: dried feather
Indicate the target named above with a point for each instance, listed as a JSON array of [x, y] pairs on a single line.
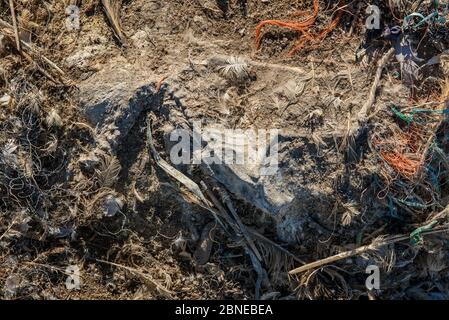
[[8, 155], [108, 170], [350, 213], [235, 68], [53, 119], [276, 260]]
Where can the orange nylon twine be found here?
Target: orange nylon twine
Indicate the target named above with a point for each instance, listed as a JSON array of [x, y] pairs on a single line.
[[402, 164], [303, 27], [404, 152]]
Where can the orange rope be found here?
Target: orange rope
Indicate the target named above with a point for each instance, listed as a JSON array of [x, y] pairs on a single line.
[[404, 152], [302, 27], [402, 164]]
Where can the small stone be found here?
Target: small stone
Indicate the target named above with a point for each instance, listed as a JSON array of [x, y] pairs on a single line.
[[112, 206], [6, 100]]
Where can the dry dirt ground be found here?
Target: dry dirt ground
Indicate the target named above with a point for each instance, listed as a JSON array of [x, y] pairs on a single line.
[[52, 212]]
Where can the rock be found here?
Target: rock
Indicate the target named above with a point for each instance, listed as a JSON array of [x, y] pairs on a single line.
[[5, 100], [112, 205], [82, 58], [140, 39], [89, 161], [113, 99]]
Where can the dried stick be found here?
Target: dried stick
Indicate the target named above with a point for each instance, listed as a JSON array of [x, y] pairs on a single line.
[[42, 70], [347, 254], [9, 32], [9, 228], [243, 230], [14, 23], [334, 258], [160, 288], [357, 123], [112, 9], [363, 113], [279, 67]]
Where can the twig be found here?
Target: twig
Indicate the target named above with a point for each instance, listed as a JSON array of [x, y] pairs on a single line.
[[112, 9], [334, 258], [160, 288], [42, 70], [14, 23], [243, 230], [7, 229], [347, 254], [277, 66], [280, 67], [365, 110], [9, 31], [357, 122]]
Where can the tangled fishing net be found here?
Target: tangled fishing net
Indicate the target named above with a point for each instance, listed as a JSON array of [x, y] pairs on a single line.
[[410, 159]]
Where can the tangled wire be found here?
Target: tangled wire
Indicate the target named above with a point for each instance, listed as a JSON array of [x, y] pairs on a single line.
[[28, 157]]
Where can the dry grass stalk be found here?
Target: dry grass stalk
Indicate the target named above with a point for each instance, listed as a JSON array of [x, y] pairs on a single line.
[[357, 123], [14, 23], [32, 54], [376, 244], [112, 9], [366, 109], [224, 61], [155, 284]]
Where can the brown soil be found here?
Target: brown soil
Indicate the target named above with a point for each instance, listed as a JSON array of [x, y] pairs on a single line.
[[147, 251]]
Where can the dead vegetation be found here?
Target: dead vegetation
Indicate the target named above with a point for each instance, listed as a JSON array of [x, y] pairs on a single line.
[[140, 228]]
